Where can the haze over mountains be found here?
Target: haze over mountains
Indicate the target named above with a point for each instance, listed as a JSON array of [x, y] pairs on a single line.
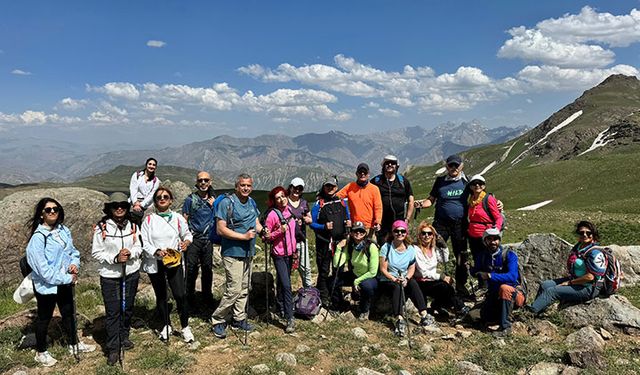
[[271, 159]]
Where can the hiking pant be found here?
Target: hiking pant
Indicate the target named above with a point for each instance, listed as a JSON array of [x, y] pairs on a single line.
[[46, 303], [304, 262], [284, 296], [175, 277], [412, 291], [324, 260], [367, 287], [549, 292], [443, 294], [236, 292], [499, 305], [454, 229], [118, 325], [477, 247], [200, 254]]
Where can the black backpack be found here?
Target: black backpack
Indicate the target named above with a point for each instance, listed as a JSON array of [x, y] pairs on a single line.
[[335, 211], [25, 268]]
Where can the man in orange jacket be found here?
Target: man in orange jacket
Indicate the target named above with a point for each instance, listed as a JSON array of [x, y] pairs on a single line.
[[365, 203]]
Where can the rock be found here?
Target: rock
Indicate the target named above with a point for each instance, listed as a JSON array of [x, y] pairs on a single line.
[[550, 352], [367, 371], [464, 334], [585, 348], [20, 372], [82, 208], [448, 337], [613, 313], [255, 334], [570, 370], [546, 368], [585, 337], [282, 373], [628, 257], [323, 316], [376, 346], [302, 348], [499, 343], [432, 330], [287, 358], [193, 345], [322, 351], [348, 316], [605, 334], [543, 328], [260, 369], [403, 343], [427, 349], [360, 333], [401, 372], [586, 358], [622, 362], [469, 368], [180, 191], [519, 328], [364, 350], [382, 358]]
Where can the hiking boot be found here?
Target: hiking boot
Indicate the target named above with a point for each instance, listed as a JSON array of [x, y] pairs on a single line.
[[187, 335], [363, 317], [127, 344], [82, 348], [502, 333], [427, 321], [219, 330], [45, 359], [165, 333], [113, 358], [462, 313], [401, 328], [242, 325], [291, 326]]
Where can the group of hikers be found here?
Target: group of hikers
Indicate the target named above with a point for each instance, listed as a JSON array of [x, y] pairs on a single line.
[[362, 241]]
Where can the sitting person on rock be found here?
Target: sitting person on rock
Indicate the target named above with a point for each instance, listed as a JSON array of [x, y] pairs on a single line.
[[500, 268], [586, 265], [361, 258]]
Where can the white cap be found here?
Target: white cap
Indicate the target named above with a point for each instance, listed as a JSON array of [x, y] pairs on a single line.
[[478, 177], [389, 158], [297, 182], [491, 232]]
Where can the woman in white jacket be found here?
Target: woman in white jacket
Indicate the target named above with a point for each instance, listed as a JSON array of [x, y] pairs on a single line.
[[117, 248], [142, 188], [165, 234]]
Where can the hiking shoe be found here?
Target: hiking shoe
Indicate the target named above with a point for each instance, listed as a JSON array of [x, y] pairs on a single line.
[[113, 358], [219, 330], [45, 359], [82, 348], [363, 317], [462, 313], [187, 335], [401, 328], [165, 333], [127, 344], [427, 321], [502, 333], [291, 326], [242, 325]]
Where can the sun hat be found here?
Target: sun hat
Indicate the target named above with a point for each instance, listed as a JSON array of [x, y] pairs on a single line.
[[477, 177]]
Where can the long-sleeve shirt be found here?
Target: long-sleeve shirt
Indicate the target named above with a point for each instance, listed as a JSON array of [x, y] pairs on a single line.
[[364, 266], [365, 203], [107, 243], [280, 238], [335, 210], [479, 219], [499, 273], [141, 190], [427, 266], [162, 233], [50, 259]]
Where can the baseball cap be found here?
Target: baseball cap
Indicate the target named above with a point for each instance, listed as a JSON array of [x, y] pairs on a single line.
[[362, 167], [454, 159], [297, 182]]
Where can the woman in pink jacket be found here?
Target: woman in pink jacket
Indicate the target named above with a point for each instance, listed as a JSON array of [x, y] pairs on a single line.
[[282, 235], [479, 218]]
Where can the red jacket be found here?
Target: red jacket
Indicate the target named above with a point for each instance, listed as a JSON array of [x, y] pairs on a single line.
[[479, 220]]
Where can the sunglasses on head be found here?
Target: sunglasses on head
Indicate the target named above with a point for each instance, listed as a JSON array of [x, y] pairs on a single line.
[[163, 197], [399, 231], [586, 233], [201, 180], [427, 233], [49, 210]]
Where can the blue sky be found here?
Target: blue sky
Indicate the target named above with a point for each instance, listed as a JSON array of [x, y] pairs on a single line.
[[195, 70]]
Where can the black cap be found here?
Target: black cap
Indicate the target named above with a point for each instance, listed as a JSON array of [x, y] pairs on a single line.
[[362, 167], [454, 159]]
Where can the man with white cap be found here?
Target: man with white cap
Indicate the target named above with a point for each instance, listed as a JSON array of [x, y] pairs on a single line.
[[396, 195]]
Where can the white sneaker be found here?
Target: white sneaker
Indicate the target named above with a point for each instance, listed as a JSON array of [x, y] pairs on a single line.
[[82, 348], [165, 333], [45, 359], [187, 335]]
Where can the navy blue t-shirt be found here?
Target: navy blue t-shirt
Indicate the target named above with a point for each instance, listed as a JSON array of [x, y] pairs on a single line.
[[450, 199]]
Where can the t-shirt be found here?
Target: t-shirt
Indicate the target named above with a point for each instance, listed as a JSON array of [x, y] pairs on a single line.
[[450, 199], [201, 219], [397, 261], [298, 213], [393, 195], [242, 219]]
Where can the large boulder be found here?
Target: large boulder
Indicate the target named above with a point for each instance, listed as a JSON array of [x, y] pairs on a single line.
[[613, 313], [82, 207], [180, 191], [628, 257]]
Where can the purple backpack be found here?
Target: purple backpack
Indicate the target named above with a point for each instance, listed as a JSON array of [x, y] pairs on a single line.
[[307, 303]]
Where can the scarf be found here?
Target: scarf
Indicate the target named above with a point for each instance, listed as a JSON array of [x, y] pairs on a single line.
[[475, 202]]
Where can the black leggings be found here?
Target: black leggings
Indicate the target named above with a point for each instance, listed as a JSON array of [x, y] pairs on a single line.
[[455, 231], [412, 291], [46, 303], [324, 259], [442, 293], [175, 276], [116, 324]]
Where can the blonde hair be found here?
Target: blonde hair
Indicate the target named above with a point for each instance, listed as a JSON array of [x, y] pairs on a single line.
[[429, 243]]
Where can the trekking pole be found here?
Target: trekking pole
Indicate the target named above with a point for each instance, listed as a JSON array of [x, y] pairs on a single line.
[[246, 306], [75, 348], [266, 283], [167, 321], [123, 309], [335, 276], [403, 310]]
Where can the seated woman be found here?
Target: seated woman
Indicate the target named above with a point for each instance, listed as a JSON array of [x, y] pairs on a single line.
[[586, 265], [361, 258], [397, 268], [432, 283]]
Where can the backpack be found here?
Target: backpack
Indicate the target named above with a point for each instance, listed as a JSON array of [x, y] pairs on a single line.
[[307, 302], [485, 206], [335, 211], [522, 281], [377, 178], [25, 268], [611, 280], [196, 204], [214, 237]]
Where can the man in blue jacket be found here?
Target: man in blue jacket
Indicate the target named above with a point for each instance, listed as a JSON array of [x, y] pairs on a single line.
[[500, 268]]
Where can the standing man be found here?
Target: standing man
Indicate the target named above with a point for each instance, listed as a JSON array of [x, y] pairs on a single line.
[[237, 224], [365, 203], [198, 211], [396, 194], [450, 197]]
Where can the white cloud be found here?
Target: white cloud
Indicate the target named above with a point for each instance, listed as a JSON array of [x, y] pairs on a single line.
[[101, 117], [156, 43], [113, 109], [529, 101], [71, 104], [30, 117], [553, 78], [389, 112], [20, 72], [371, 105], [119, 90], [533, 45], [158, 109], [591, 26], [158, 121]]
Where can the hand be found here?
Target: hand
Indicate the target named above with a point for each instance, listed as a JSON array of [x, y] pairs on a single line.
[[329, 225], [283, 228], [356, 287], [564, 283], [404, 282], [210, 200], [308, 220], [184, 245], [500, 205], [447, 279], [342, 243], [161, 253], [137, 206], [74, 278], [376, 227], [251, 234], [73, 269], [347, 223], [123, 255]]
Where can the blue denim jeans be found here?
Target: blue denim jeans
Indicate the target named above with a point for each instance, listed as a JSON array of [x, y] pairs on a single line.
[[284, 296], [550, 291]]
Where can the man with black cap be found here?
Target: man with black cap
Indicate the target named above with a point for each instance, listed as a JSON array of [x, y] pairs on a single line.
[[396, 194], [365, 202]]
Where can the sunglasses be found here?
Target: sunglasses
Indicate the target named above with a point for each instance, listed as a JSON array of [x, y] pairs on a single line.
[[476, 183], [400, 231], [201, 180], [390, 163], [362, 172], [163, 197], [360, 231], [453, 165], [427, 233], [49, 210], [586, 233], [120, 206], [299, 187]]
